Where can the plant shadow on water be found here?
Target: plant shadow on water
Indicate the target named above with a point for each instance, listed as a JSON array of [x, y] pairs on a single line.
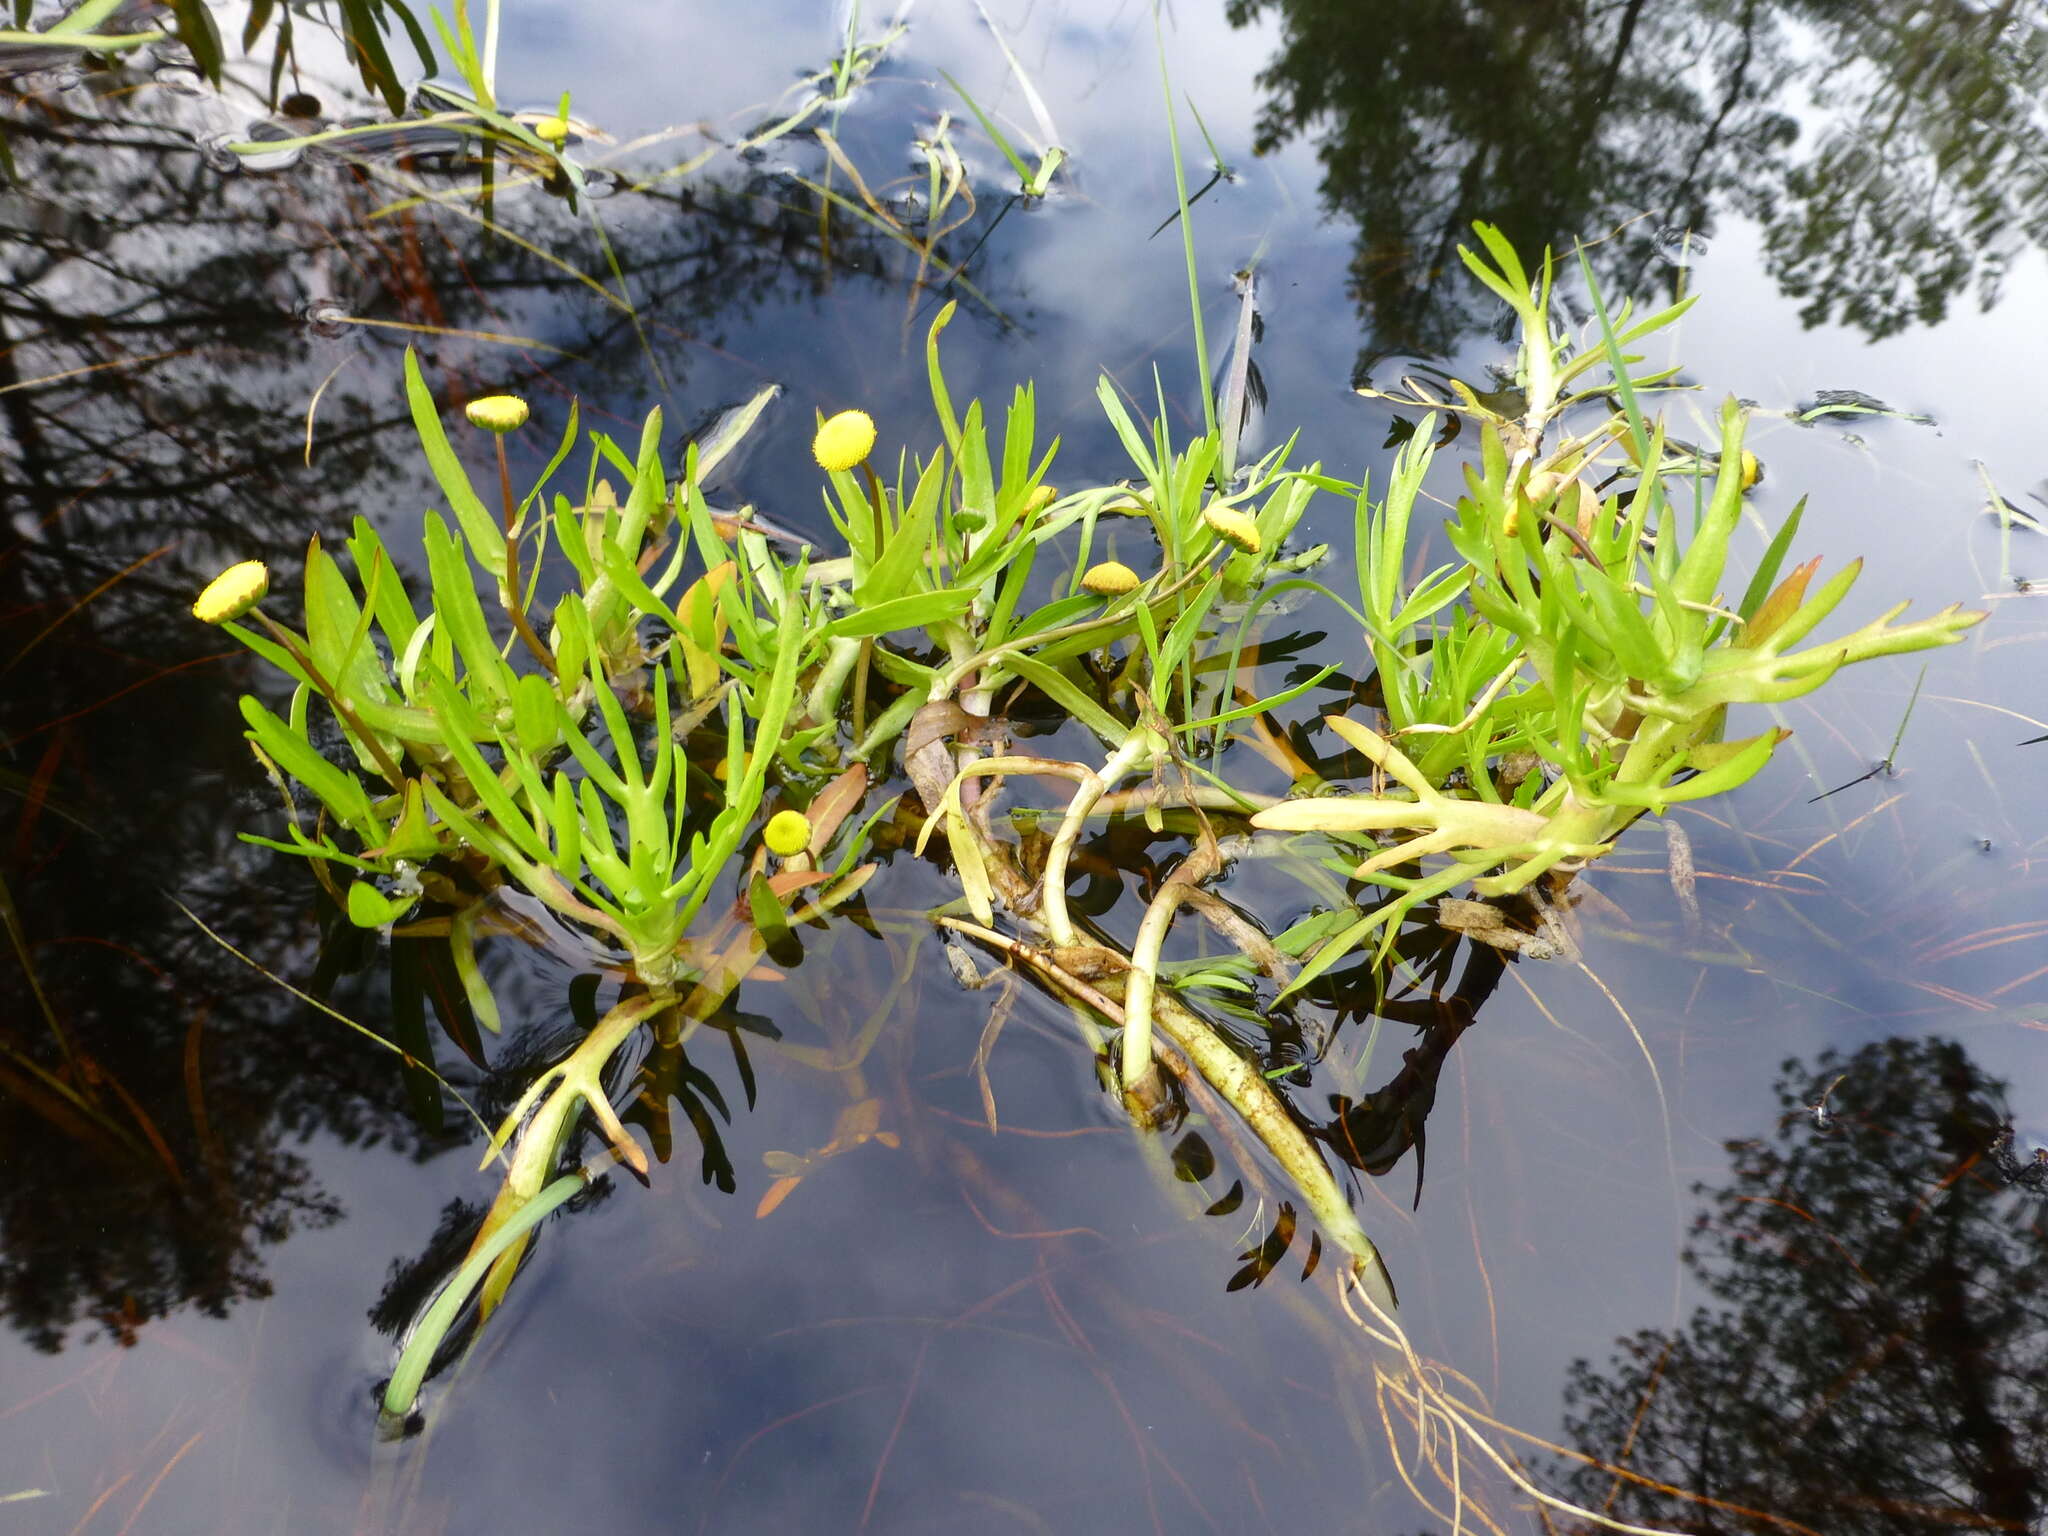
[[845, 1303]]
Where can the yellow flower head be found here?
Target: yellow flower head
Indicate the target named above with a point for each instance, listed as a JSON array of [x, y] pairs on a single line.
[[551, 130], [1040, 498], [232, 593], [1752, 471], [787, 834], [1111, 578], [497, 413], [1233, 527], [844, 440]]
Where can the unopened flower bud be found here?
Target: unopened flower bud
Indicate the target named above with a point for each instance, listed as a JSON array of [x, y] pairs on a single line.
[[1110, 578], [232, 593], [844, 441], [787, 834], [1233, 527], [497, 413]]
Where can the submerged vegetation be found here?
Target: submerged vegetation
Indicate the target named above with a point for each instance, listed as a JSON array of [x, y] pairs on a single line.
[[675, 730]]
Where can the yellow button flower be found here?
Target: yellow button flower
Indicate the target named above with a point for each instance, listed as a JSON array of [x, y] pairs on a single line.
[[232, 593], [1040, 498], [1233, 527], [1111, 578], [844, 440], [497, 413], [787, 834]]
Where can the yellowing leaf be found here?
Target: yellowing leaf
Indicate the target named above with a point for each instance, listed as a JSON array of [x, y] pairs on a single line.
[[703, 631], [1774, 610], [773, 1196]]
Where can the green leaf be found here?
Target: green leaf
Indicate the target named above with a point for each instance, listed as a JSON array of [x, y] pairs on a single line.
[[1766, 575], [383, 587], [918, 610], [623, 573], [459, 732], [462, 949], [942, 402], [1126, 429], [535, 719], [196, 31], [489, 679], [1070, 696], [771, 920], [567, 819], [363, 34], [1731, 772], [899, 568], [554, 463], [369, 907], [478, 526], [342, 793]]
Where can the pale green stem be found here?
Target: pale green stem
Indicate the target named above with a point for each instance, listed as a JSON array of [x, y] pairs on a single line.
[[404, 1386], [1092, 789], [960, 646], [490, 60], [840, 656], [1253, 1097], [1144, 982]]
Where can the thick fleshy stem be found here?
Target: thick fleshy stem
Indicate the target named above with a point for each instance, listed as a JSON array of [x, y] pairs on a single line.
[[1241, 1085], [1139, 990], [1253, 1097], [1054, 908]]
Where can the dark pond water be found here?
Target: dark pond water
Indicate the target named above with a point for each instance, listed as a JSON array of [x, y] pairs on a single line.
[[1634, 1235]]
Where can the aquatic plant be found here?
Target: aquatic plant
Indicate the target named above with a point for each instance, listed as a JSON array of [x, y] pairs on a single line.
[[1574, 668], [680, 767]]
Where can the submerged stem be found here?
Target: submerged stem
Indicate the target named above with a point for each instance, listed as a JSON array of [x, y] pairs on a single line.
[[1253, 1097]]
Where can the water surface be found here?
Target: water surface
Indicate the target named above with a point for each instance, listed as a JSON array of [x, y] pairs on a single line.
[[1029, 1330]]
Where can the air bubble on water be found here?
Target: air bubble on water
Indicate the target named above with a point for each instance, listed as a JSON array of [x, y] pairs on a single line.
[[271, 133], [325, 318], [213, 149], [1680, 243], [599, 183]]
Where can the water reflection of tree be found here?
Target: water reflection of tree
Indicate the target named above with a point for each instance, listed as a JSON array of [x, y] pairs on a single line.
[[156, 366], [1879, 1360], [1925, 176]]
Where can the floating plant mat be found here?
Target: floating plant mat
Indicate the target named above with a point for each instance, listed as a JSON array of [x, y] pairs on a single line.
[[673, 765]]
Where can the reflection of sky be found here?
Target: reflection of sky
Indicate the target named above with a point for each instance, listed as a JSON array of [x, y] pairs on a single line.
[[656, 1335]]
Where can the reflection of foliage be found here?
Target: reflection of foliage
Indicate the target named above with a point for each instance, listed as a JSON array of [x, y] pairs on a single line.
[[1935, 173], [1880, 1360], [1564, 119], [160, 342]]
